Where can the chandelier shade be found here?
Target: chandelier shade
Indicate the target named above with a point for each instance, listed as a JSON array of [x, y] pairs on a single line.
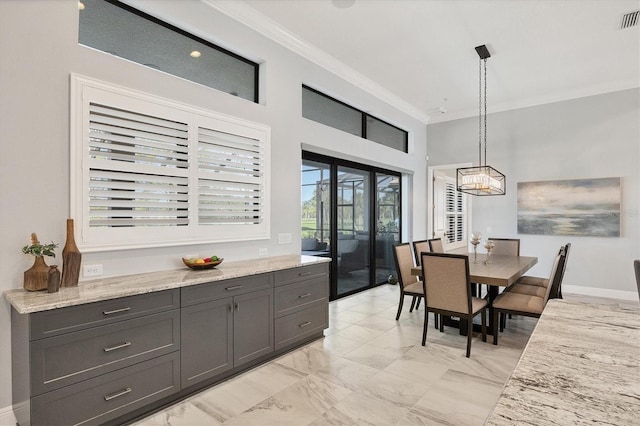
[[481, 179]]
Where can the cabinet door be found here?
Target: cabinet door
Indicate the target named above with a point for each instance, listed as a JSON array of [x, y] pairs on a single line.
[[253, 326], [207, 345]]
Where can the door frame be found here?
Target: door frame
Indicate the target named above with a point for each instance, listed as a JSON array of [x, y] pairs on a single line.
[[430, 173]]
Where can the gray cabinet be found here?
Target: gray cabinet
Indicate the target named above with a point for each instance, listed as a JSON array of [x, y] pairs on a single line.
[[225, 325], [301, 304], [109, 361], [95, 362], [207, 340]]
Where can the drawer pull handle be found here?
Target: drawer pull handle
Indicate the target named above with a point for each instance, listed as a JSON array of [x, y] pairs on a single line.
[[120, 346], [302, 296], [117, 394], [305, 324], [238, 307], [235, 287], [303, 274], [116, 311]]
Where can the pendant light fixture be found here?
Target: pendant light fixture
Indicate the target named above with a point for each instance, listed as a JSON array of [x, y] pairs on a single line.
[[482, 179]]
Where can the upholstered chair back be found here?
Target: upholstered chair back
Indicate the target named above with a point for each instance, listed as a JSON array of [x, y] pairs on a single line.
[[446, 281], [404, 263], [506, 246]]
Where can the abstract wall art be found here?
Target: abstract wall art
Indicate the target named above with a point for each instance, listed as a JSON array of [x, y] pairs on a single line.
[[580, 207]]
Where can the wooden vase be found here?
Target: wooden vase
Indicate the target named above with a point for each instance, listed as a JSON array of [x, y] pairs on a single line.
[[71, 258], [36, 278]]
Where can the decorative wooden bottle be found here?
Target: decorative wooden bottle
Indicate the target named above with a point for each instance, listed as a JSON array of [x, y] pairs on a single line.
[[36, 278], [53, 283], [71, 258]]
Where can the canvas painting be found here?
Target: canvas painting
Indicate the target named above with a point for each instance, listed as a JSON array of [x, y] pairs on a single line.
[[585, 207]]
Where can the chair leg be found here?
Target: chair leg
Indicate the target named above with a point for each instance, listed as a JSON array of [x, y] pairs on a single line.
[[436, 319], [441, 323], [413, 303], [418, 302], [425, 326], [495, 326], [469, 335], [484, 325], [503, 321], [400, 305]]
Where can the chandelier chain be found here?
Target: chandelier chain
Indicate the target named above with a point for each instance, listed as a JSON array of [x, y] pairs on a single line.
[[485, 111], [480, 113]]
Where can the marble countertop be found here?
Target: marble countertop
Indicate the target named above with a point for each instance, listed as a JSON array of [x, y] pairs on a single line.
[[581, 366], [26, 302]]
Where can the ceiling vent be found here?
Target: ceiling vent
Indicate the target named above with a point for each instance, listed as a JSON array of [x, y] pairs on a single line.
[[630, 19]]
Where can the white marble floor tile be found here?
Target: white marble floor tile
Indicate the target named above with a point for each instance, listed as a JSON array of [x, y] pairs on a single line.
[[459, 398], [374, 356], [359, 409], [182, 414], [377, 322], [398, 390], [358, 333], [346, 373], [337, 343]]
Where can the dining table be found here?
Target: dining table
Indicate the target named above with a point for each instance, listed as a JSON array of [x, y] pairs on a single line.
[[499, 271]]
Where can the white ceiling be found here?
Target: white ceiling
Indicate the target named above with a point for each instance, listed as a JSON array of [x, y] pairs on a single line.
[[419, 54]]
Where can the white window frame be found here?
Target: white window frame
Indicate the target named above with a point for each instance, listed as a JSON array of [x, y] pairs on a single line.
[[86, 91]]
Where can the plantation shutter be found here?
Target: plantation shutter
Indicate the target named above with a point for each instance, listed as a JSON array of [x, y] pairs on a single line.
[[229, 179], [150, 172], [455, 220], [138, 169]]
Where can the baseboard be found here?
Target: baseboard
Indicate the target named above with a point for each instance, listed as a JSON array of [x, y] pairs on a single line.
[[7, 417], [600, 292]]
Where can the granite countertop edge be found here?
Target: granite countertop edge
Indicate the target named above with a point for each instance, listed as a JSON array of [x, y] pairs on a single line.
[[26, 302]]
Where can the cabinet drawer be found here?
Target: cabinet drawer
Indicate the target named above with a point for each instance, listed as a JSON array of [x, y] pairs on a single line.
[[63, 360], [109, 396], [296, 297], [195, 294], [301, 325], [64, 320], [288, 276]]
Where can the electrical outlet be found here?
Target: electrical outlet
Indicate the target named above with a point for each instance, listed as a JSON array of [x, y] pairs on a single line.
[[284, 238], [92, 270], [262, 251]]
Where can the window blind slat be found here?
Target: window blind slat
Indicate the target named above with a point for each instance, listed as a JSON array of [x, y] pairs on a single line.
[[96, 109]]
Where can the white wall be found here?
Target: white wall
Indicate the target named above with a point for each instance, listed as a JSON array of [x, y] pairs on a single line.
[[591, 137], [38, 51]]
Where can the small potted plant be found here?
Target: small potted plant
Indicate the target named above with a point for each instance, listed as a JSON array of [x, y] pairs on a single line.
[[36, 277]]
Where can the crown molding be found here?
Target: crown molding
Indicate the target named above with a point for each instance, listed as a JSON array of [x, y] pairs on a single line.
[[264, 25]]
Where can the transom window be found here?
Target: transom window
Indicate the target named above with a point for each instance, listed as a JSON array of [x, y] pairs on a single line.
[[121, 30], [324, 109]]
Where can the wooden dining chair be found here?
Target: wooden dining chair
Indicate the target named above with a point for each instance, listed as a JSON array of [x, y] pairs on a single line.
[[420, 247], [505, 246], [436, 245], [409, 284], [537, 286], [447, 291], [524, 304]]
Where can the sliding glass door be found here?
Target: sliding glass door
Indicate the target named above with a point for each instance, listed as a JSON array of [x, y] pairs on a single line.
[[351, 213], [353, 230]]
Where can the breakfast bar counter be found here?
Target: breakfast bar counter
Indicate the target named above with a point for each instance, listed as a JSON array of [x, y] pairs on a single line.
[[581, 366]]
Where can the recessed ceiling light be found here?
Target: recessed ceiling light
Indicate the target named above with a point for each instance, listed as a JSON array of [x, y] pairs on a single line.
[[195, 54], [80, 5]]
